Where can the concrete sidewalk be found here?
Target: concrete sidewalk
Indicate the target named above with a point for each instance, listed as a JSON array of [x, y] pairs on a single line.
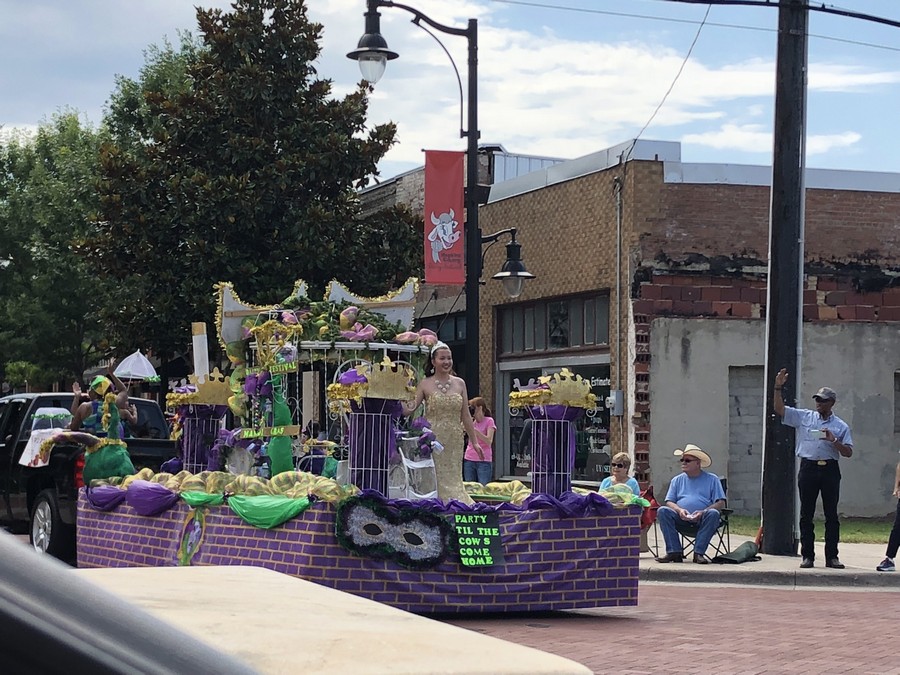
[[773, 570]]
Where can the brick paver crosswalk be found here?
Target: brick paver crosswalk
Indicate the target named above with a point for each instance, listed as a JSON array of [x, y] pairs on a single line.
[[686, 628]]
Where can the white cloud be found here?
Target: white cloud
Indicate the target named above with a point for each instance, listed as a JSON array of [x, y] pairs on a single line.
[[754, 138], [8, 133], [551, 86], [546, 95], [838, 78], [821, 143]]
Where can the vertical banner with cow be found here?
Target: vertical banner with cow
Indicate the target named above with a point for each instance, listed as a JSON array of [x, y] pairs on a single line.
[[445, 260]]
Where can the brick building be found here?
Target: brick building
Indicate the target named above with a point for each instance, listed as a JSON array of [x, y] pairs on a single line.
[[651, 280]]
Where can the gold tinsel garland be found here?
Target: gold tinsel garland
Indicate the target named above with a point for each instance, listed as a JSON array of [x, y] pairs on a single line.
[[539, 397], [104, 442], [174, 400], [338, 392]]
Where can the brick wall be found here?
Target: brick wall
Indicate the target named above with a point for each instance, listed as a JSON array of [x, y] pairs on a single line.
[[551, 563], [730, 224], [686, 250], [824, 298], [568, 234]]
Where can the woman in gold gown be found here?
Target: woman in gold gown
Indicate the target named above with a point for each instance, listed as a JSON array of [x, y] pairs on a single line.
[[447, 411]]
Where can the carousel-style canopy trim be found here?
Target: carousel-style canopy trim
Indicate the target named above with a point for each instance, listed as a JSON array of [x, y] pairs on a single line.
[[396, 306]]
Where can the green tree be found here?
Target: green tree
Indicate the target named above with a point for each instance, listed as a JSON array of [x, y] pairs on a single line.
[[49, 296], [244, 169], [21, 374]]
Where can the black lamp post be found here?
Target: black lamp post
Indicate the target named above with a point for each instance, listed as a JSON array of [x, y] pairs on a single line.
[[372, 53]]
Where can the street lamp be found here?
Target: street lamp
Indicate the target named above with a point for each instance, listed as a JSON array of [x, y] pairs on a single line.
[[513, 273], [372, 53]]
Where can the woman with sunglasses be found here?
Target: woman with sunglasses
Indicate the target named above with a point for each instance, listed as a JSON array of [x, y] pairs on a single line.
[[621, 462]]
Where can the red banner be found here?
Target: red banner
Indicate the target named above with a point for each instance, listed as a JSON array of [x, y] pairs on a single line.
[[445, 260]]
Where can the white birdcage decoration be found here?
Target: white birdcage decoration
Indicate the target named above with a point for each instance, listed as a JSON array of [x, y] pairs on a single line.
[[413, 475]]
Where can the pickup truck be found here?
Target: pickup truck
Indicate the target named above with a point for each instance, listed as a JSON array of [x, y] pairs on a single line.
[[43, 499]]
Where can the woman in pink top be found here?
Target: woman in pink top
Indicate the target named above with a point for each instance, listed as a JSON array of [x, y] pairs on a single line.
[[478, 460]]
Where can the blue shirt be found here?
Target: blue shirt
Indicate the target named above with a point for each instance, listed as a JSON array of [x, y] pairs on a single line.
[[695, 494], [807, 423], [631, 482]]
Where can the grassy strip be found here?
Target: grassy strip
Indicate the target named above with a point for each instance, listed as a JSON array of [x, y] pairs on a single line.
[[853, 530]]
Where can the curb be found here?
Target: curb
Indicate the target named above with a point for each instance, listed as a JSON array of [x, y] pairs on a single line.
[[734, 574]]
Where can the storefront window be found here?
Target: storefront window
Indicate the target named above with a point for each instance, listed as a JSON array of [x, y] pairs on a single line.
[[519, 452], [592, 446], [565, 323], [540, 320], [559, 325]]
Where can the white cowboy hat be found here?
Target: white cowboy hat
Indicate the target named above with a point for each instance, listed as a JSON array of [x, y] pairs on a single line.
[[694, 451]]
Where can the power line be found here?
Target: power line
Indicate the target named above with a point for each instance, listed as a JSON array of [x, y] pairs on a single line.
[[627, 15], [649, 17], [825, 9], [677, 75]]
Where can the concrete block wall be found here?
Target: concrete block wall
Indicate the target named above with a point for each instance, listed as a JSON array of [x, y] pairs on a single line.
[[701, 294], [551, 563], [745, 442]]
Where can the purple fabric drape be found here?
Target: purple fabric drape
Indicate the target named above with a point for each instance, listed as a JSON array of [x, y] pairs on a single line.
[[225, 439], [553, 448], [104, 497], [150, 499], [372, 442], [173, 465], [567, 505], [200, 427]]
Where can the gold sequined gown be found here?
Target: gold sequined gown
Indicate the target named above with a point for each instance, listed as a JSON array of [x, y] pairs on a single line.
[[442, 412]]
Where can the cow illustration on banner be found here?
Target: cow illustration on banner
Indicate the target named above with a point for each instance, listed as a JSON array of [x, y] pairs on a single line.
[[444, 234], [444, 196]]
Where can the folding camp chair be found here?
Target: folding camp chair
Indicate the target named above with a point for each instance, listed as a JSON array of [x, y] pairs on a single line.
[[648, 520], [720, 544]]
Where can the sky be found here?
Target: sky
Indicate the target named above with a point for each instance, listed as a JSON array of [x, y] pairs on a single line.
[[556, 78]]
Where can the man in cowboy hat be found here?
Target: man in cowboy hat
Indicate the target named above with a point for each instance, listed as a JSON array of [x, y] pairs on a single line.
[[822, 438], [693, 501]]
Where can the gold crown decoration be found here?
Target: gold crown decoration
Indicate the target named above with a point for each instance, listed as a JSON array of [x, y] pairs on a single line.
[[562, 388], [388, 380], [214, 391]]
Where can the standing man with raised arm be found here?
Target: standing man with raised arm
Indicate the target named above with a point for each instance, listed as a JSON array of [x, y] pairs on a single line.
[[822, 439]]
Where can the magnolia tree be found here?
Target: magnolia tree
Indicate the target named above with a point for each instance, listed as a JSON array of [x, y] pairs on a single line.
[[231, 160]]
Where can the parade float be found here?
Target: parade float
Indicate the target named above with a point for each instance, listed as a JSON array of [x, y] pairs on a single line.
[[364, 517]]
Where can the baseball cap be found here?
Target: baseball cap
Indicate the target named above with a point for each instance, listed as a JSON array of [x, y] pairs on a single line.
[[826, 393]]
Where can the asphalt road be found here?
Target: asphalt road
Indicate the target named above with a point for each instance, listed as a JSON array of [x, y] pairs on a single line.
[[693, 628]]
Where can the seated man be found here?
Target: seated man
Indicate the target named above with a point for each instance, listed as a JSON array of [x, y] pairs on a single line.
[[693, 500]]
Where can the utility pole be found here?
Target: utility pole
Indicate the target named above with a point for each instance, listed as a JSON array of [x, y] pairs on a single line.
[[784, 309]]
